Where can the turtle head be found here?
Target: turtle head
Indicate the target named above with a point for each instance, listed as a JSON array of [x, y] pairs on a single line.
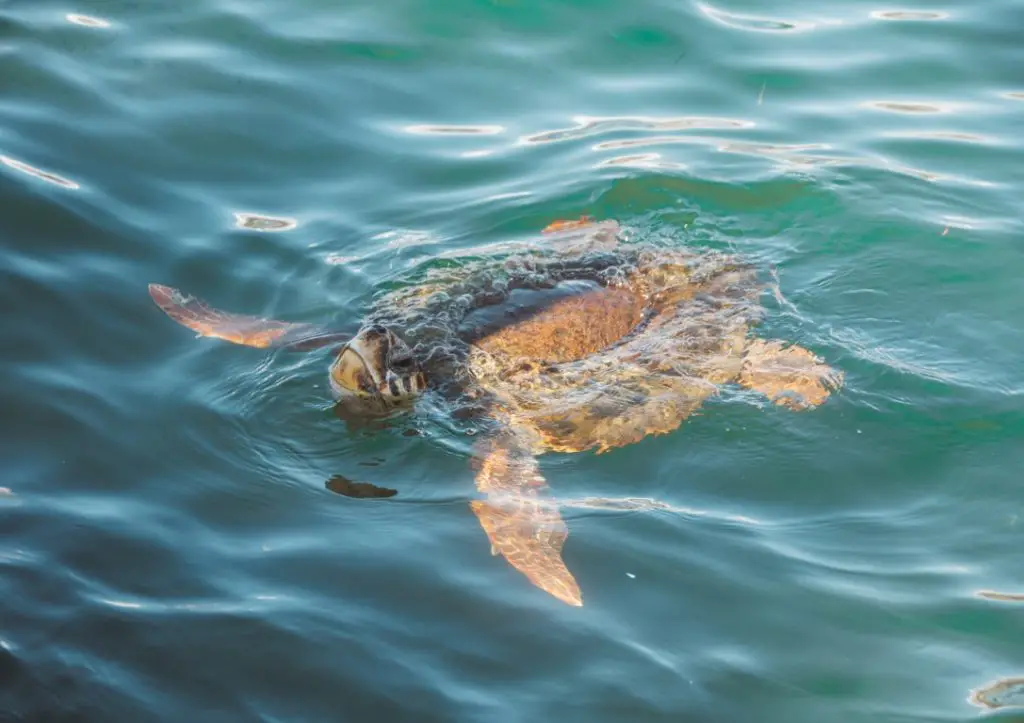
[[377, 365]]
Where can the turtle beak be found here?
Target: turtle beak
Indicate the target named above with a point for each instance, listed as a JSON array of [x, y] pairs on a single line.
[[376, 364], [351, 373]]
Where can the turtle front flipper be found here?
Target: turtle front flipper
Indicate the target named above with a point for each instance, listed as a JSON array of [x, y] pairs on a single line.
[[237, 328], [521, 521], [789, 376], [581, 235]]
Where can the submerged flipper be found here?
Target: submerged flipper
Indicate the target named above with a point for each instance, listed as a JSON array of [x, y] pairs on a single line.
[[350, 488], [521, 521], [238, 328], [789, 376]]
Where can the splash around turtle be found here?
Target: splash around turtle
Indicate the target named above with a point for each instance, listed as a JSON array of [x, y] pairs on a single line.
[[618, 342]]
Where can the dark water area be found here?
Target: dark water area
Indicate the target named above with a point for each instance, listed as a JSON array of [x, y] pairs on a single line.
[[170, 547]]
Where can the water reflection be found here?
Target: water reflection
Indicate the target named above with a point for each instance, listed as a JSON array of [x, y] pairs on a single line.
[[400, 238], [942, 136], [151, 606], [1001, 596], [642, 160], [961, 222], [790, 153], [590, 126], [753, 22], [342, 259], [773, 149], [649, 504], [935, 177], [906, 107], [909, 15], [785, 154], [454, 130], [259, 222], [641, 142], [38, 173], [1003, 693], [87, 21]]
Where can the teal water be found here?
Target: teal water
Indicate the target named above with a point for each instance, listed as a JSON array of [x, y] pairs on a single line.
[[170, 551]]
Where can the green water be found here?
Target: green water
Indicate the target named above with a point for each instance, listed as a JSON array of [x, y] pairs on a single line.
[[170, 551]]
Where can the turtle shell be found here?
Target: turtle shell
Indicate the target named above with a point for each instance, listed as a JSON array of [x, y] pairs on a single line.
[[641, 339]]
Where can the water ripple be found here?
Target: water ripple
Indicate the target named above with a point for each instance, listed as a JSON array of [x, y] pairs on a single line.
[[909, 15], [263, 603], [39, 173], [261, 222], [87, 21], [455, 130], [1002, 693], [590, 126], [165, 495], [755, 23], [641, 160], [910, 107], [942, 136], [1000, 596]]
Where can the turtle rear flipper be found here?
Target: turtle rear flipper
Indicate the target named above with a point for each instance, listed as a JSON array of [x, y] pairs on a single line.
[[252, 331], [789, 376], [521, 522]]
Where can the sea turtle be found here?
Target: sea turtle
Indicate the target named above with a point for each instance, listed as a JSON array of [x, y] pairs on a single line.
[[614, 342]]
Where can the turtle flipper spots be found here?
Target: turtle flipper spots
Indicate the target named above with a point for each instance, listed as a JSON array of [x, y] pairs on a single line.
[[522, 523], [252, 331], [789, 376]]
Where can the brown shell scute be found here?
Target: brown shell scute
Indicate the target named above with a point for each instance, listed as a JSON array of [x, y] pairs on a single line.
[[570, 328]]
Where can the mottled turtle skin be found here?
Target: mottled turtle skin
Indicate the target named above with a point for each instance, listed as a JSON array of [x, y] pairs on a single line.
[[640, 339]]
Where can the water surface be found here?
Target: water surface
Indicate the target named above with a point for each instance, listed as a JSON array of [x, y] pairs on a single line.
[[170, 549]]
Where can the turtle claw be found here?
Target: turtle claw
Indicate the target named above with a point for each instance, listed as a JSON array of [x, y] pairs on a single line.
[[790, 376]]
